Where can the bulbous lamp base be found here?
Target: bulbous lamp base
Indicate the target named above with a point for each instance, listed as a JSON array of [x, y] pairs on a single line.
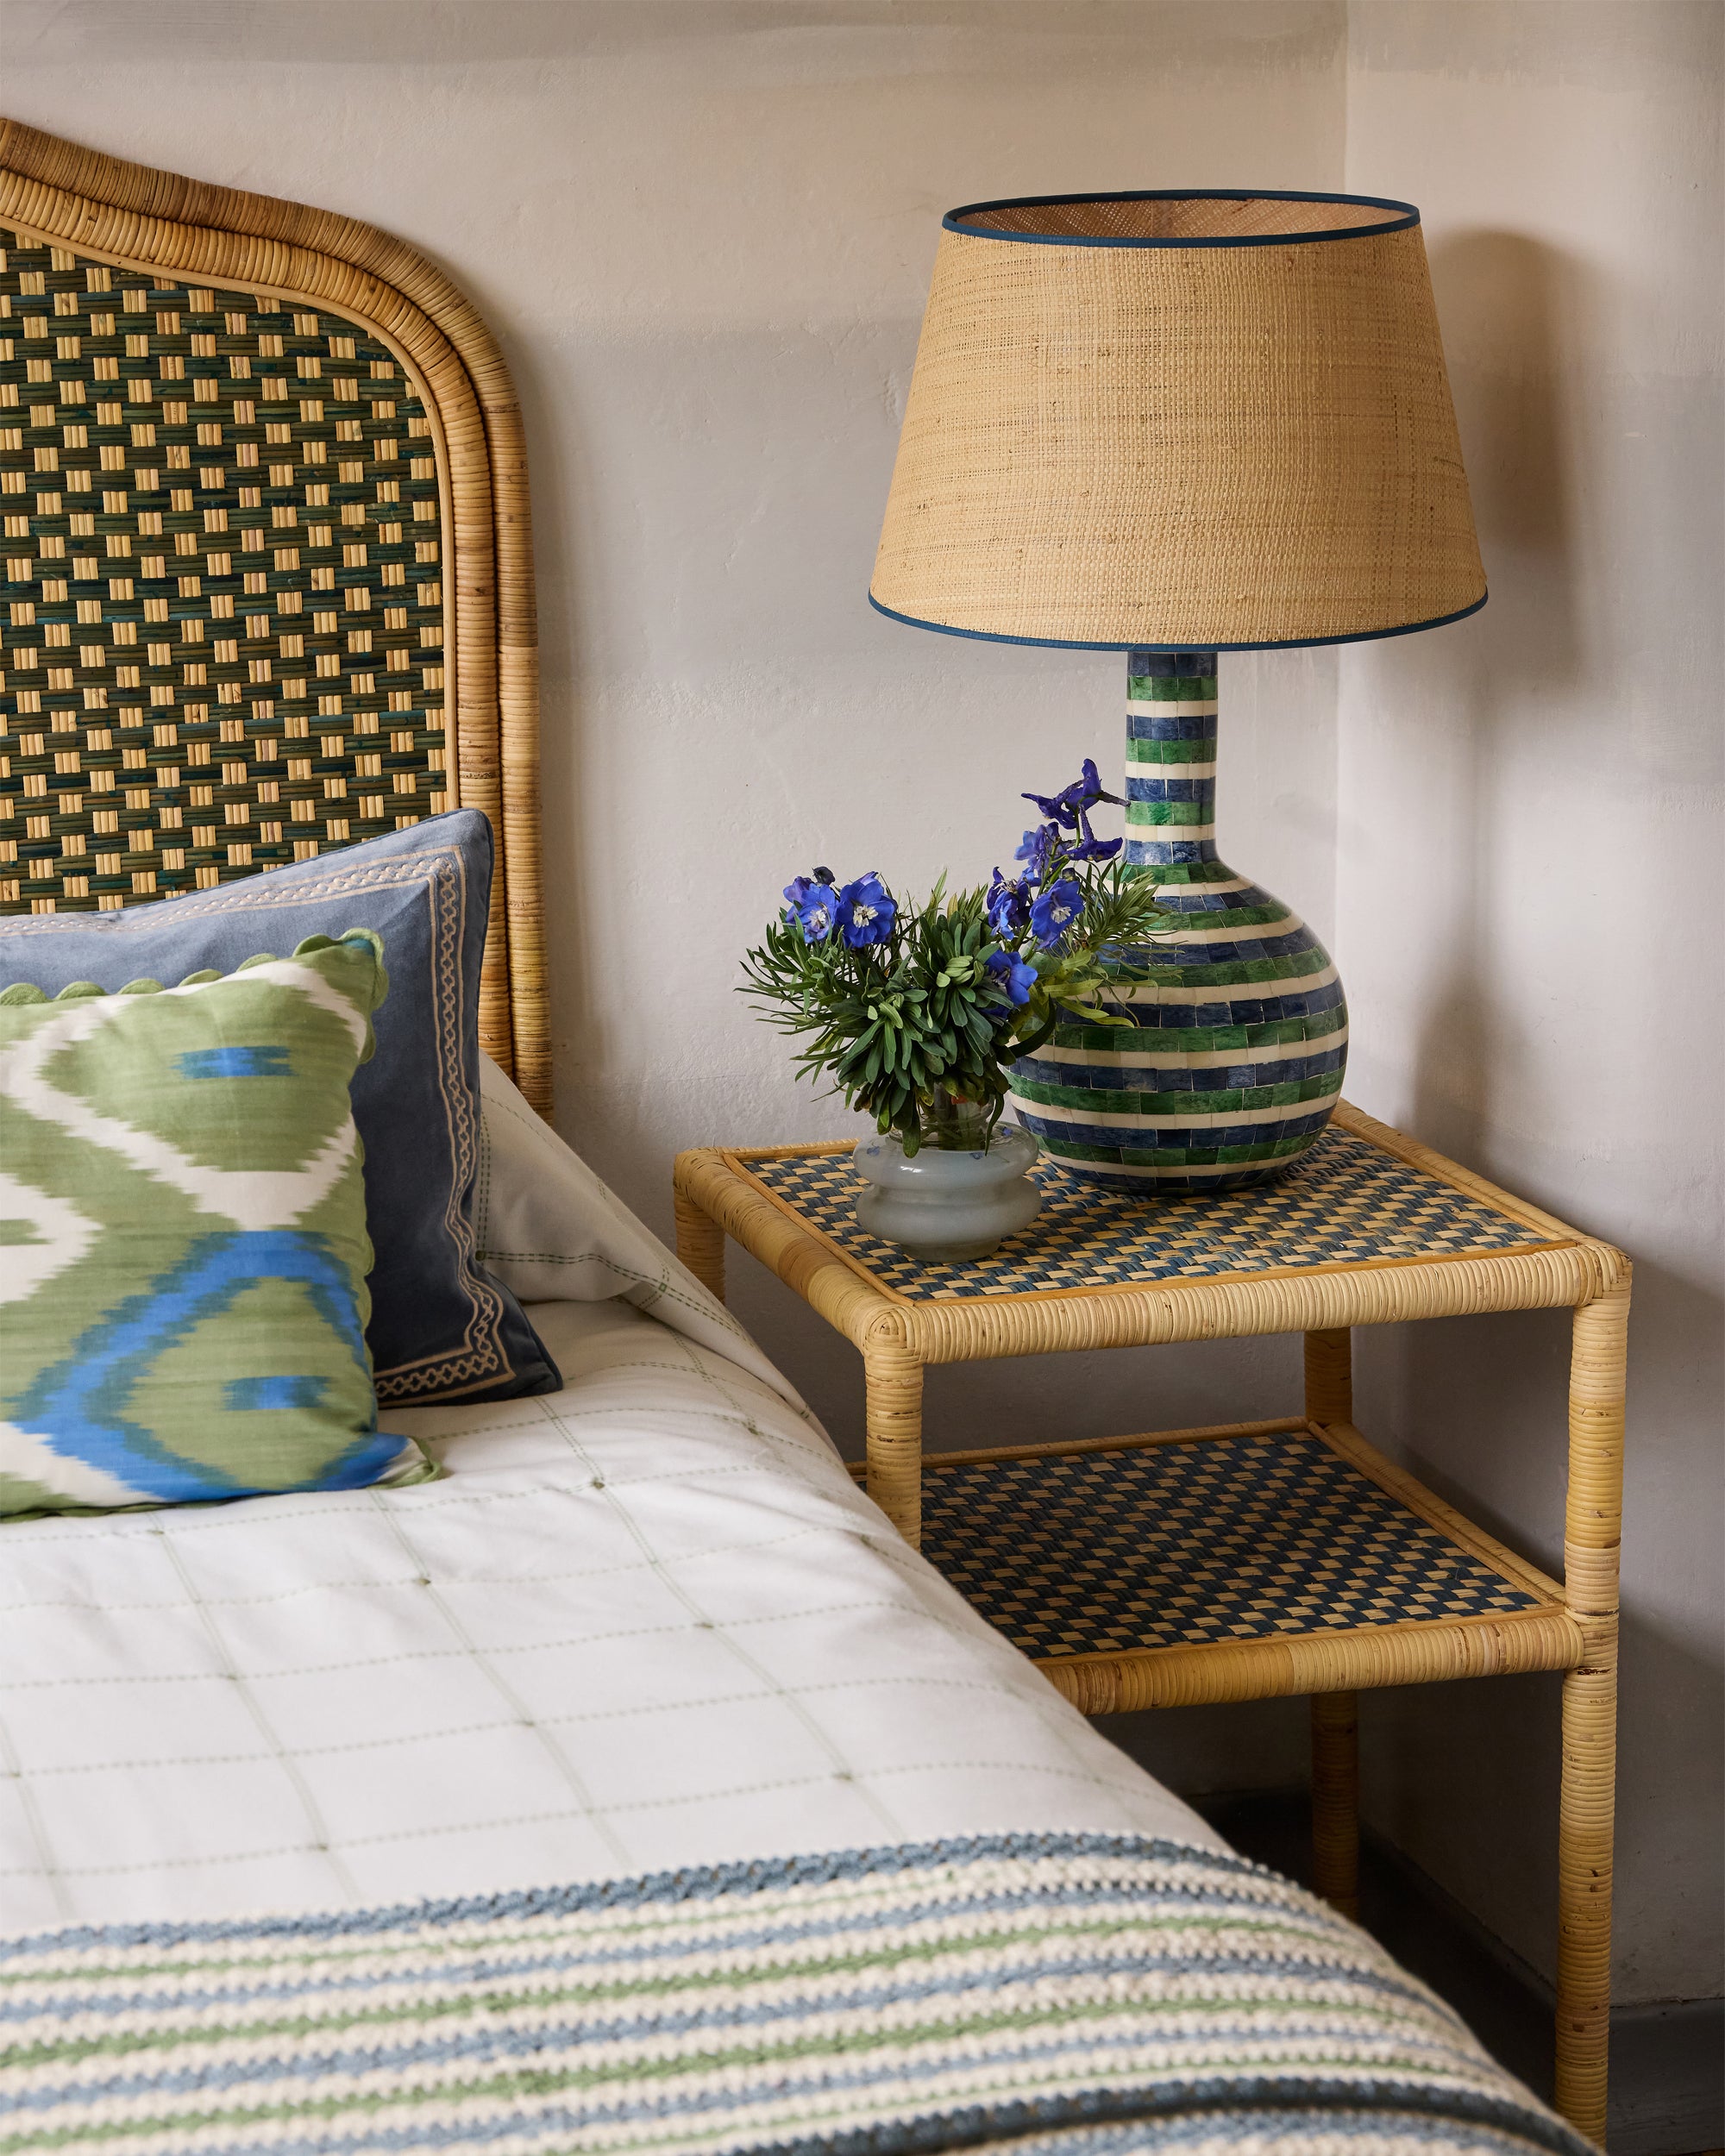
[[1237, 1041]]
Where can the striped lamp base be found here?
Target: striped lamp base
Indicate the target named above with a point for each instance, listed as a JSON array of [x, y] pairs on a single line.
[[1237, 1041]]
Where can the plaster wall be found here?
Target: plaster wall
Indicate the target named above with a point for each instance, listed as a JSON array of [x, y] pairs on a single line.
[[1528, 909], [702, 230]]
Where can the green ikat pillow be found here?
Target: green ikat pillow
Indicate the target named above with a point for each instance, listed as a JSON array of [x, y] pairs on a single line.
[[183, 1247]]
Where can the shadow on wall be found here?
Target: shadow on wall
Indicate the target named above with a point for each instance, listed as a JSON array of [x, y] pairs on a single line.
[[1465, 1779], [570, 590], [1515, 312], [1491, 1837], [1510, 307]]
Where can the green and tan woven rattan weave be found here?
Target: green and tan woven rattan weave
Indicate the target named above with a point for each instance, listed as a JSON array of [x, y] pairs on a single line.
[[269, 584], [1244, 1561]]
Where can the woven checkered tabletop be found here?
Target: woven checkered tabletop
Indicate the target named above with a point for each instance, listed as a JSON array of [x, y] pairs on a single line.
[[1243, 1561], [1349, 1202], [1230, 1562], [1367, 1227]]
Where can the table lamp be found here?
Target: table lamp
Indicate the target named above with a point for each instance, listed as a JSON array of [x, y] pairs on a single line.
[[1175, 424]]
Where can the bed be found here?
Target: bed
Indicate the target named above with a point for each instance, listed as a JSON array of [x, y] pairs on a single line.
[[631, 1784]]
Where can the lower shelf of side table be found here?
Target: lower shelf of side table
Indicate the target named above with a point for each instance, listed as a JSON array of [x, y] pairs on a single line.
[[1238, 1563]]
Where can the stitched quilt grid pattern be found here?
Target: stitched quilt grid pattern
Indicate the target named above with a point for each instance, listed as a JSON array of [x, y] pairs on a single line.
[[916, 1998], [638, 1625], [1346, 1202], [221, 642], [1167, 1545]]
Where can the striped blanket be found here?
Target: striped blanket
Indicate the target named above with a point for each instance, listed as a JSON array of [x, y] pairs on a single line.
[[1064, 1993]]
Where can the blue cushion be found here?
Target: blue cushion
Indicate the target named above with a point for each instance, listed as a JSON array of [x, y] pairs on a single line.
[[441, 1328]]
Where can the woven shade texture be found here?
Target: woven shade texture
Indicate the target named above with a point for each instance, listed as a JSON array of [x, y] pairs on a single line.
[[1189, 421], [224, 642]]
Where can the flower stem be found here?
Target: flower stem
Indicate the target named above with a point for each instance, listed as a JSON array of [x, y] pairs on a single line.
[[952, 1125]]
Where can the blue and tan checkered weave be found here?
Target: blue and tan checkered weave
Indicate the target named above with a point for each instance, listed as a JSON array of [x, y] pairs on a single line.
[[1181, 1546], [874, 2003], [1346, 1202], [222, 642]]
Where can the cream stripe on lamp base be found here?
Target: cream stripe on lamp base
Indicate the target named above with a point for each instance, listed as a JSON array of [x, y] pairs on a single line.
[[1239, 1040], [1175, 424]]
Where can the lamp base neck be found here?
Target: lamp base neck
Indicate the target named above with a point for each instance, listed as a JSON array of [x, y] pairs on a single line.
[[1231, 1052], [1170, 788]]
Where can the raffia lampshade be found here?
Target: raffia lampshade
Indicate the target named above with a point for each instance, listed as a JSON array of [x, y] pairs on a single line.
[[1173, 421]]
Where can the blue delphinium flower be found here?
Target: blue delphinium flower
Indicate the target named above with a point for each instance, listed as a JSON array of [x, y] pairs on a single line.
[[797, 897], [1089, 846], [1091, 788], [1014, 977], [813, 904], [1042, 851], [1055, 911], [1067, 808], [1007, 907], [1055, 808], [1069, 811], [866, 912]]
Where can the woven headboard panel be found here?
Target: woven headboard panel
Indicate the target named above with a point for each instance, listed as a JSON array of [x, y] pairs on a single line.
[[269, 577]]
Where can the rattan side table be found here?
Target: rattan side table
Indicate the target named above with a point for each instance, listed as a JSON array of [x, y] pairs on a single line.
[[1247, 1560]]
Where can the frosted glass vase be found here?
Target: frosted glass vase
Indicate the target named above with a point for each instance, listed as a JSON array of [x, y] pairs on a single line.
[[943, 1203]]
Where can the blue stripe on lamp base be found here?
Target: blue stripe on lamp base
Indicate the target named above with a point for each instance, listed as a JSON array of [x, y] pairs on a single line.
[[1236, 1047]]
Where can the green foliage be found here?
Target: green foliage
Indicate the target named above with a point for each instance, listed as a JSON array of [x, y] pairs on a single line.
[[898, 1022]]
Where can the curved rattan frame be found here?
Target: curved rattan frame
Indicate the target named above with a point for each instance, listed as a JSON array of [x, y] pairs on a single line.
[[135, 213]]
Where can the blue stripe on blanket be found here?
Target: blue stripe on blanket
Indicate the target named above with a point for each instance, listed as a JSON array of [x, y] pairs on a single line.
[[1096, 1994]]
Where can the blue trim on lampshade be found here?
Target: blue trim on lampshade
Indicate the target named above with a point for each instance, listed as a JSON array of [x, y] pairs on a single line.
[[951, 223], [1138, 643]]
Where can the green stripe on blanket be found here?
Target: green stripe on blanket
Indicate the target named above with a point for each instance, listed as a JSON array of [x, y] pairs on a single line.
[[1081, 1995]]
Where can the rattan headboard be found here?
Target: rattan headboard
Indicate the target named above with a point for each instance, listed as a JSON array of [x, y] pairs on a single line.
[[270, 584]]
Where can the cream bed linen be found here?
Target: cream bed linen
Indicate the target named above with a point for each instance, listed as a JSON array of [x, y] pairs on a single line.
[[645, 1623]]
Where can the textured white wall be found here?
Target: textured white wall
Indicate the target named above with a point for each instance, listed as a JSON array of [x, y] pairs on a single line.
[[702, 230], [1526, 891]]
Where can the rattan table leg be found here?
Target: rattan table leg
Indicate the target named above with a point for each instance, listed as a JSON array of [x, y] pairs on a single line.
[[700, 1244], [1335, 1715], [1335, 1799], [1329, 1375], [895, 1433], [1592, 1530], [1584, 1824]]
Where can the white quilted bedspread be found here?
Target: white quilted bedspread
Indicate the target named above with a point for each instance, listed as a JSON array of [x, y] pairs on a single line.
[[646, 1622]]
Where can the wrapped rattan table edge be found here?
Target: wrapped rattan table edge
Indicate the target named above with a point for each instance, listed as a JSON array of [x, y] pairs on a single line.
[[1358, 1660], [1410, 1650], [1547, 1275]]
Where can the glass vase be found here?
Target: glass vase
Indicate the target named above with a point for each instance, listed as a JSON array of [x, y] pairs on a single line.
[[960, 1194]]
